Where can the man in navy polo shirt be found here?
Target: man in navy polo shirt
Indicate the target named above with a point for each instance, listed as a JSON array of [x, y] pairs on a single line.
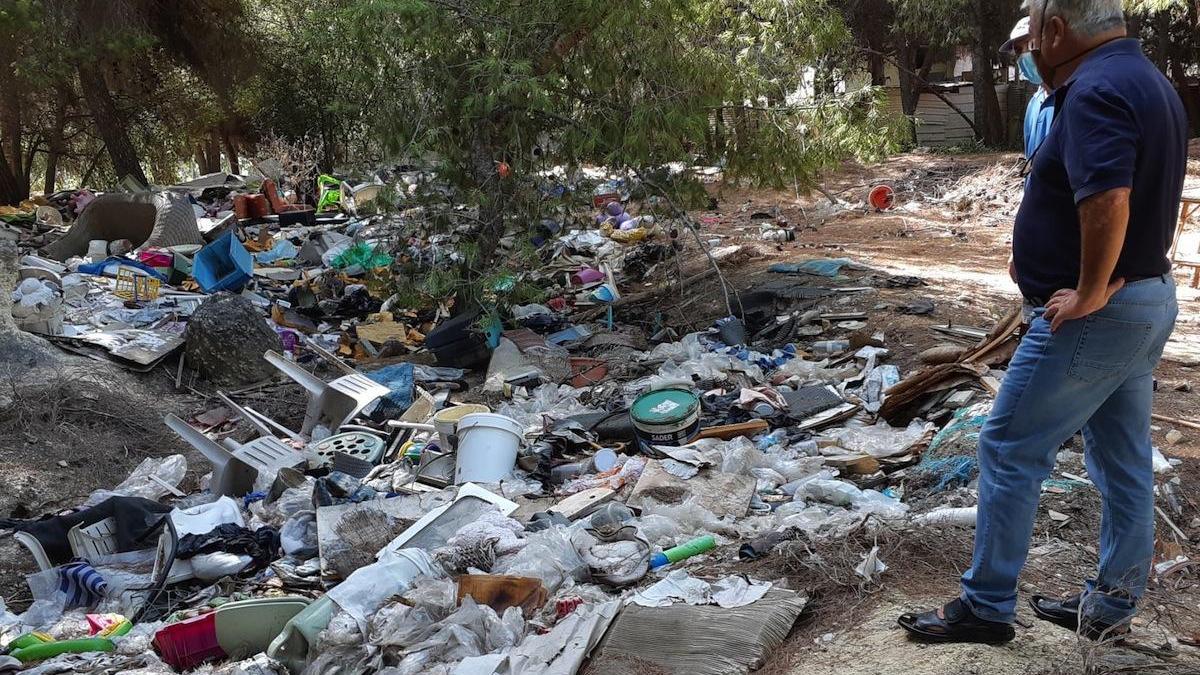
[[1090, 252]]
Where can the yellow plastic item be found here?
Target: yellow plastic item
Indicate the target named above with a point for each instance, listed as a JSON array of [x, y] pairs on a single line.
[[132, 286]]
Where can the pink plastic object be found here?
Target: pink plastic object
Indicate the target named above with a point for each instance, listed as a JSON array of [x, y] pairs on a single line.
[[156, 257], [189, 643], [586, 276]]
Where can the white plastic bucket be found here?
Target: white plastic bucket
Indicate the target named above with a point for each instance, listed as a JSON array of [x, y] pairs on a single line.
[[487, 447], [445, 421]]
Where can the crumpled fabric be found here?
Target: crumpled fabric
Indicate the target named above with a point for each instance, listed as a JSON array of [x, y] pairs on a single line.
[[262, 545], [504, 532]]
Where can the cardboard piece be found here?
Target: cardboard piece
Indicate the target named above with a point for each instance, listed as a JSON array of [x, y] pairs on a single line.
[[722, 493]]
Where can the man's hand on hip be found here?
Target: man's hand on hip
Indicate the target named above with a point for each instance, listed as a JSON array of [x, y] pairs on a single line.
[[1068, 304]]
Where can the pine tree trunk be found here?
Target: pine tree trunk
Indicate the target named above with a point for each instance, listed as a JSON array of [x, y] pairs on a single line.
[[55, 141], [110, 124], [988, 121], [231, 150], [910, 89], [1183, 84]]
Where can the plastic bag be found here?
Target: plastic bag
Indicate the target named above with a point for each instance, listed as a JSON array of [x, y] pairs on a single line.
[[816, 370], [833, 492], [213, 566], [367, 588], [472, 630], [879, 504], [298, 536], [740, 456], [170, 470], [659, 530], [502, 531], [548, 555], [690, 517], [363, 255], [880, 440]]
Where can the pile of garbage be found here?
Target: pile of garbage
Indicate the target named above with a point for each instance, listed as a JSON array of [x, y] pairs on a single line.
[[472, 490]]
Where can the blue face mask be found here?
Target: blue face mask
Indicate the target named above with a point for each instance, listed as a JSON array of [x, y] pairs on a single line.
[[1028, 69]]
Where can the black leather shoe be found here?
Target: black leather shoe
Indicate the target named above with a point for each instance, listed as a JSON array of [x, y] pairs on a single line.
[[1065, 612], [955, 623]]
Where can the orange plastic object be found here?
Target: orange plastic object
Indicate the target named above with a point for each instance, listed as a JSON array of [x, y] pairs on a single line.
[[882, 197]]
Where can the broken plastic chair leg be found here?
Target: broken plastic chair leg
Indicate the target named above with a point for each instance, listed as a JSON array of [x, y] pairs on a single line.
[[230, 476]]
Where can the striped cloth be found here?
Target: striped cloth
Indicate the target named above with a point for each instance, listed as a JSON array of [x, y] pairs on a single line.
[[82, 584]]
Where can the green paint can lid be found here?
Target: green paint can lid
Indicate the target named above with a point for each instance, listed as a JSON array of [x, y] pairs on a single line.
[[665, 407]]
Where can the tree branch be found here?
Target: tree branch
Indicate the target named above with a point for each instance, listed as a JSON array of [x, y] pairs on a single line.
[[928, 86]]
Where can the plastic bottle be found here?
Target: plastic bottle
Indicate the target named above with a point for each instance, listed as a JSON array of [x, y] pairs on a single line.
[[684, 551], [830, 346], [777, 437]]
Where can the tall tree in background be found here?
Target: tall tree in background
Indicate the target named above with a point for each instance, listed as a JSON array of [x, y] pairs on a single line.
[[488, 83]]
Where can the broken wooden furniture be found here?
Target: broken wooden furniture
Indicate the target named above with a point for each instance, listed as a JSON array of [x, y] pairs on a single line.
[[1189, 206]]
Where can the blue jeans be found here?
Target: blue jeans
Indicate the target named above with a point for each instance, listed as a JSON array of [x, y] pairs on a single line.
[[1094, 374]]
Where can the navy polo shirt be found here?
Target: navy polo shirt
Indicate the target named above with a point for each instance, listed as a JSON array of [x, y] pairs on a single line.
[[1118, 123]]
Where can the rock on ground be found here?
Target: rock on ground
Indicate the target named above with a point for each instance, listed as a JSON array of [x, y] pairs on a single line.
[[226, 338]]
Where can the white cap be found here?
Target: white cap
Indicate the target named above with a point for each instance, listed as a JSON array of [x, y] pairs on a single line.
[[1019, 32]]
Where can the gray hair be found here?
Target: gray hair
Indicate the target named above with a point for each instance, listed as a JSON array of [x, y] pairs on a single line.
[[1086, 17]]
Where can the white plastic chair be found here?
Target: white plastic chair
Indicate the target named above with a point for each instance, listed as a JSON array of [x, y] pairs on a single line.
[[95, 540], [234, 471], [330, 404]]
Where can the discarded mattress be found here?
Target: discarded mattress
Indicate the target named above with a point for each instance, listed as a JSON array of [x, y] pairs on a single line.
[[148, 219]]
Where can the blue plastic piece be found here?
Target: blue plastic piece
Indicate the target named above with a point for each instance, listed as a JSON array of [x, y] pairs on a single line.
[[113, 263], [224, 265], [658, 560]]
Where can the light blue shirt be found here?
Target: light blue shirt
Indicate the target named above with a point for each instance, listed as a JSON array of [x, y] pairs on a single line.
[[1038, 116]]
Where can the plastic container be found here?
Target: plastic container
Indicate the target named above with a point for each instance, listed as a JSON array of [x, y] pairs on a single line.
[[666, 417], [881, 197], [683, 551], [487, 447], [446, 421], [224, 265], [189, 643], [97, 249], [292, 644]]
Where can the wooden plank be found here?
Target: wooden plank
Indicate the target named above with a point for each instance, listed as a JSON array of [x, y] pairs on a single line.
[[728, 432], [582, 503]]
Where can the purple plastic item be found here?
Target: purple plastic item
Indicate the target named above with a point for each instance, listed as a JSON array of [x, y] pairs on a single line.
[[586, 276], [615, 208]]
